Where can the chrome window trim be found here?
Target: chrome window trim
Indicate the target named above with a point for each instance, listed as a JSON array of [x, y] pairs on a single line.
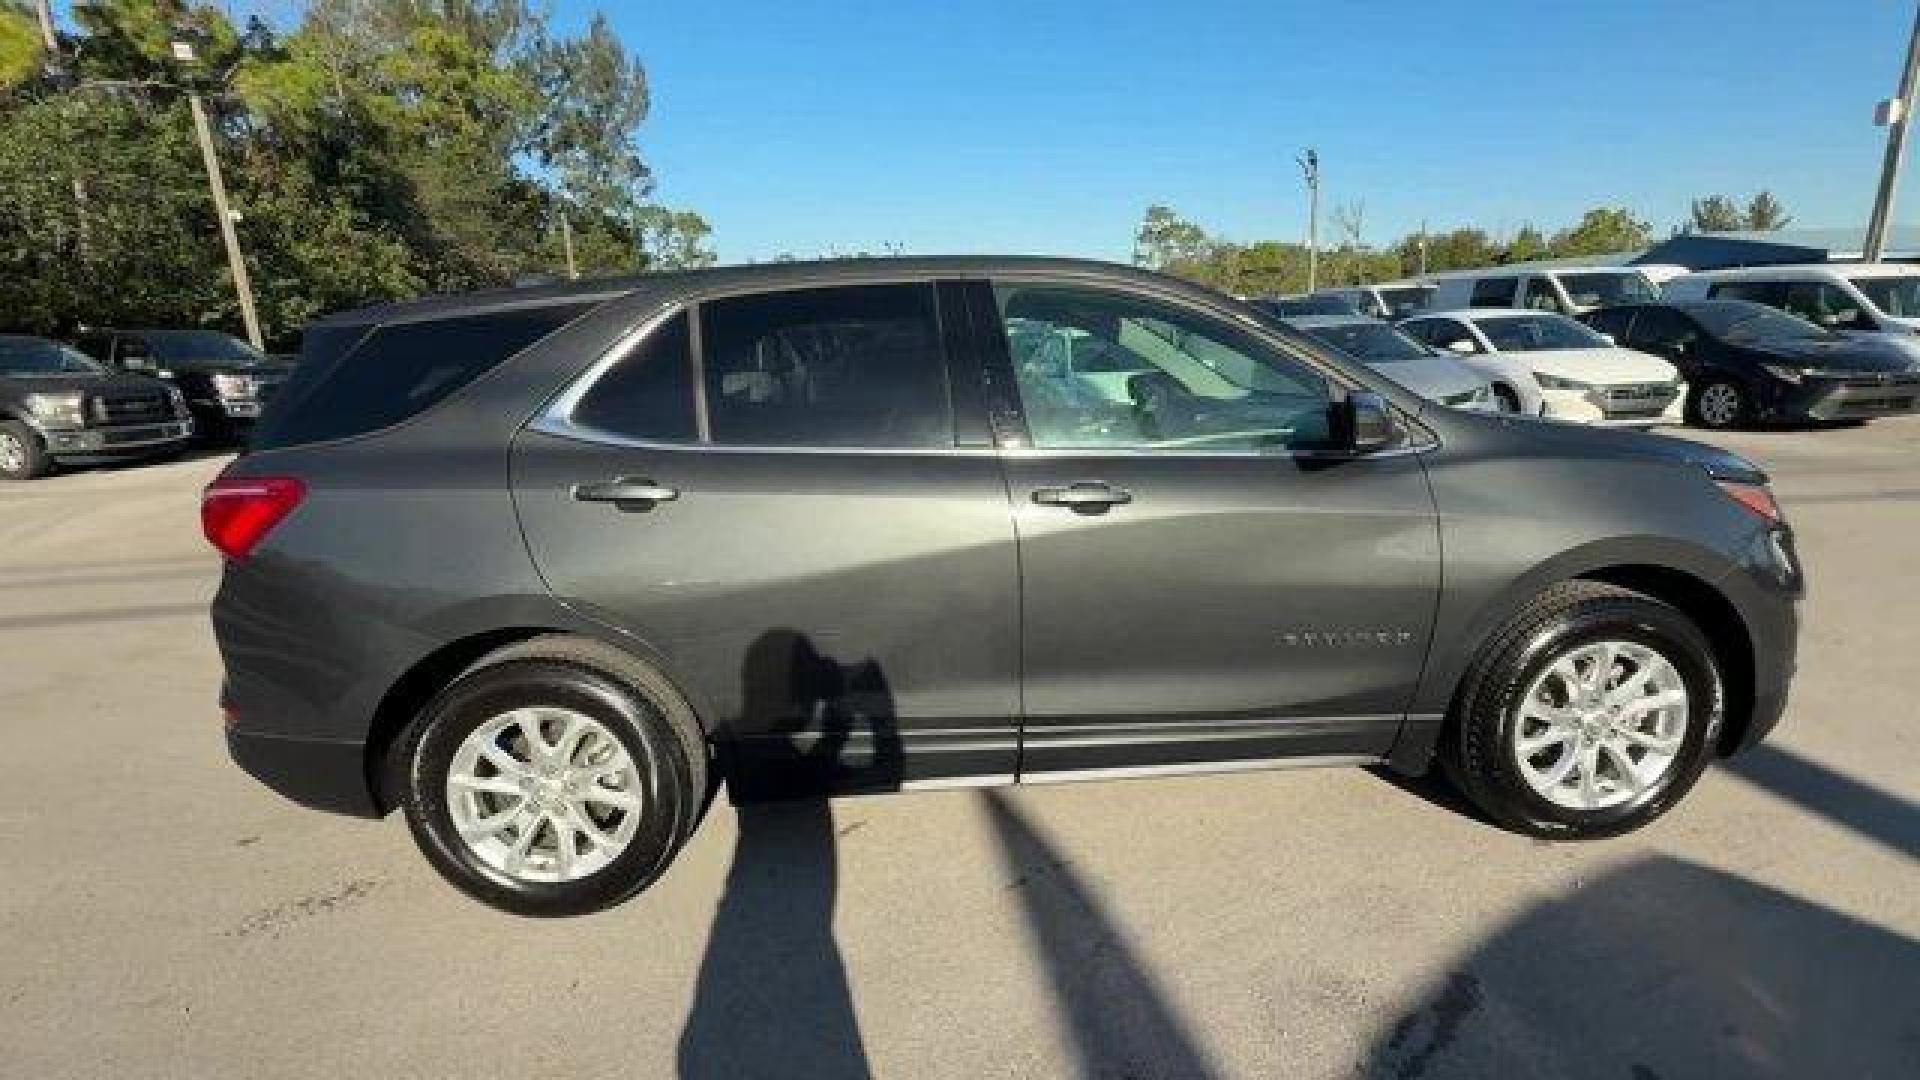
[[556, 418]]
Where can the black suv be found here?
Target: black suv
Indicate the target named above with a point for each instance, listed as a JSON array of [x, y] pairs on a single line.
[[57, 405], [225, 380], [1746, 362], [541, 566]]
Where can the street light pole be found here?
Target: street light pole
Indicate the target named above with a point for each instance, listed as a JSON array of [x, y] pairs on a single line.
[[1310, 167], [1897, 113], [566, 238], [242, 286]]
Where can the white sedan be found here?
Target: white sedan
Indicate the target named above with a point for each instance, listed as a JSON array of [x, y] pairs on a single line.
[[1545, 364]]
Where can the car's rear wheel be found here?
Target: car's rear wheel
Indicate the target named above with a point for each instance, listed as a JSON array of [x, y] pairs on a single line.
[[23, 456], [1590, 714], [1720, 404], [556, 777]]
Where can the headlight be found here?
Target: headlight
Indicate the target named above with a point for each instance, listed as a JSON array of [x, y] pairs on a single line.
[[1554, 382], [230, 385], [1785, 373], [59, 410]]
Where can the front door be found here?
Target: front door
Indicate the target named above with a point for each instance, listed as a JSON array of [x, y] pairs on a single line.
[[1199, 587], [790, 499]]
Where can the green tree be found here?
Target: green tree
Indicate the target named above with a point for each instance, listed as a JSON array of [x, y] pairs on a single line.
[[1766, 213], [20, 46], [1716, 213], [1457, 249], [1602, 230], [1527, 245], [1165, 239]]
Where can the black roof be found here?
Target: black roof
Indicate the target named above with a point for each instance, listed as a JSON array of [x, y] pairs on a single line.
[[746, 277]]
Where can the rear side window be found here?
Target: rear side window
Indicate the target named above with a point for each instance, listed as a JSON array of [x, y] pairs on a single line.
[[855, 366], [1493, 292], [648, 394], [1540, 295], [396, 371]]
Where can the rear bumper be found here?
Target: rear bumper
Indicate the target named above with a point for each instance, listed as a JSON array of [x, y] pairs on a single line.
[[321, 774]]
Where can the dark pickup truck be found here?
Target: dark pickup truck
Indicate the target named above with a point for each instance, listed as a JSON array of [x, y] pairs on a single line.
[[225, 380], [57, 404]]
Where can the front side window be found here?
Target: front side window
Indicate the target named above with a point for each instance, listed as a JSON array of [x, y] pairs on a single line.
[[1770, 293], [1825, 304], [1534, 333], [1898, 297], [185, 347], [1400, 303], [1493, 292], [1662, 330], [1591, 290], [1166, 378], [858, 366], [1540, 296], [1446, 334]]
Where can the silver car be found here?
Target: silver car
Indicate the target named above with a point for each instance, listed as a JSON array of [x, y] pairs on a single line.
[[1380, 346]]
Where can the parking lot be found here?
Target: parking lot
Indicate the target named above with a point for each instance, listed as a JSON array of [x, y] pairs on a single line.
[[163, 914]]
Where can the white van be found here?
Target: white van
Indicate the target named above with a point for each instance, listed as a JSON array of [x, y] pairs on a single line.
[[1878, 300], [1390, 300], [1569, 290]]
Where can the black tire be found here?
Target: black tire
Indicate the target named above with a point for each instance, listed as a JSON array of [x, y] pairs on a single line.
[[638, 705], [1476, 746], [26, 457], [1505, 399], [1716, 419]]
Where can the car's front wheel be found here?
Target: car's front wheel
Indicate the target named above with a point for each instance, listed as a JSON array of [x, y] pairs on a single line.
[[556, 777], [1592, 713], [1720, 405], [23, 456]]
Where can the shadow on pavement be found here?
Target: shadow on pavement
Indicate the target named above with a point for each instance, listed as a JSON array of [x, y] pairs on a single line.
[[1665, 969], [773, 998], [1120, 1023], [1880, 816]]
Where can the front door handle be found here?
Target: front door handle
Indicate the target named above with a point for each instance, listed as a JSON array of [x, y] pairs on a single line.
[[627, 489], [1083, 496]]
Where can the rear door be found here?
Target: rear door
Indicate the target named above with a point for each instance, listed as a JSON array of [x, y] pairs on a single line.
[[791, 499], [1198, 588]]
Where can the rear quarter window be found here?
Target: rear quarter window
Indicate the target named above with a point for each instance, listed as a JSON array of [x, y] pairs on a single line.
[[1494, 292], [355, 380]]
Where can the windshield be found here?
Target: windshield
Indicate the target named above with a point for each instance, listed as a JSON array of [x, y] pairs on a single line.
[[1537, 333], [1895, 296], [1403, 302], [185, 346], [1755, 322], [1604, 289], [25, 357], [1375, 343]]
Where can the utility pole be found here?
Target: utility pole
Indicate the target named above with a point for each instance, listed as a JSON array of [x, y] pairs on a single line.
[[1894, 114], [242, 287], [83, 237], [1423, 247], [1310, 167], [566, 238]]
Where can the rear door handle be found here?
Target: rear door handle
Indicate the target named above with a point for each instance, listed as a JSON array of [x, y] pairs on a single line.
[[1083, 496], [627, 489]]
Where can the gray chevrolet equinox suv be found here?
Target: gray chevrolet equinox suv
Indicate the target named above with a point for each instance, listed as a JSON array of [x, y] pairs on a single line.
[[544, 567]]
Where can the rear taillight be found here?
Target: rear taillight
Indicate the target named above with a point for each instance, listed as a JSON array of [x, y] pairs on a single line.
[[1755, 497], [238, 512]]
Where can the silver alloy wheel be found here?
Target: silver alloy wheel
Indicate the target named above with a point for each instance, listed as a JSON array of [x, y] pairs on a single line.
[[1600, 725], [544, 794], [1719, 405], [13, 456]]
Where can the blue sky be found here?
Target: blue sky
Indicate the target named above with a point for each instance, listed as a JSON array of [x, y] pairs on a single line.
[[1048, 127]]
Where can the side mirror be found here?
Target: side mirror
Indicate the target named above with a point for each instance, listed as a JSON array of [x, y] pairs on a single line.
[[1361, 424]]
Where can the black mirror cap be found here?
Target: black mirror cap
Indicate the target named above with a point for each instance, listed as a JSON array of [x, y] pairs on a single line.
[[1363, 423]]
